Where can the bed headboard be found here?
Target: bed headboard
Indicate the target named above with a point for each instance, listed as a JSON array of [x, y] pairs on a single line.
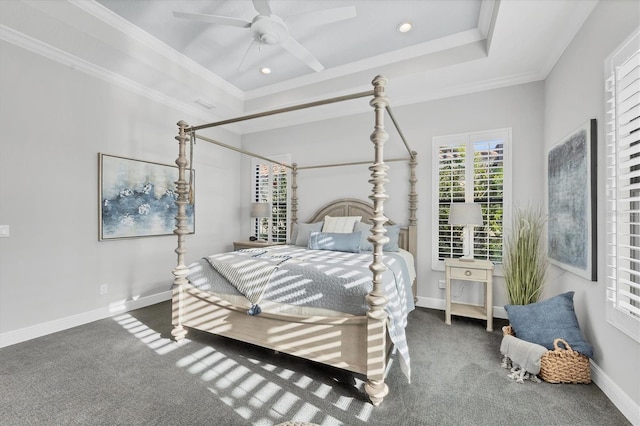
[[345, 207], [355, 207]]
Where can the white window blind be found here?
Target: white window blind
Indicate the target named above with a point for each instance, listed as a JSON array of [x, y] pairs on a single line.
[[471, 167], [270, 184], [622, 106]]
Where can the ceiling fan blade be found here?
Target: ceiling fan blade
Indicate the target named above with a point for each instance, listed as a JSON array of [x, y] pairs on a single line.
[[322, 17], [253, 47], [213, 19], [262, 7], [300, 52]]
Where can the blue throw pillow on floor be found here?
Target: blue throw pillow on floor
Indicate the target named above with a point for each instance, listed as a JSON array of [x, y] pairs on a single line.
[[545, 321]]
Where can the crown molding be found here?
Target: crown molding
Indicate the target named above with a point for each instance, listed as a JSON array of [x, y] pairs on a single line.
[[298, 117], [116, 21], [473, 87], [487, 16], [53, 53], [43, 49], [405, 55]]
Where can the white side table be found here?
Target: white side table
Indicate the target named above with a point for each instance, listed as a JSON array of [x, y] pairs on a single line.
[[478, 271]]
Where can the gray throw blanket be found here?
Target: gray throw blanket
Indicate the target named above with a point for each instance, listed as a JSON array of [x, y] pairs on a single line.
[[524, 356], [333, 280], [249, 274]]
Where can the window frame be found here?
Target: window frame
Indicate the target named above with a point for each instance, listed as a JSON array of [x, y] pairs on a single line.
[[623, 244], [468, 139], [267, 196]]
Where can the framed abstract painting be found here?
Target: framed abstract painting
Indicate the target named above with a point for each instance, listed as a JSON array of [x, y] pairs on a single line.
[[571, 231], [137, 198]]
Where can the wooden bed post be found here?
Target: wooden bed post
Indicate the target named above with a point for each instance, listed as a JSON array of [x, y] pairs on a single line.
[[413, 221], [181, 271], [375, 387], [294, 197]]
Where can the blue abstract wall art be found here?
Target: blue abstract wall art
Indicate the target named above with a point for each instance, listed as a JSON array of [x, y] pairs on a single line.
[[137, 198], [571, 232]]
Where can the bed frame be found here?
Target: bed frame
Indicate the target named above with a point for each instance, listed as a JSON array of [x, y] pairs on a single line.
[[355, 343], [355, 207]]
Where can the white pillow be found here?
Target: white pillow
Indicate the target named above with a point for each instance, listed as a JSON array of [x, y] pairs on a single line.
[[340, 225]]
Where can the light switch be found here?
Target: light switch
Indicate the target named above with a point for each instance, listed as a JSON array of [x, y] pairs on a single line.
[[4, 231]]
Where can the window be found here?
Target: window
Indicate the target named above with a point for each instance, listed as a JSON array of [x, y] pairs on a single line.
[[270, 184], [622, 107], [472, 168]]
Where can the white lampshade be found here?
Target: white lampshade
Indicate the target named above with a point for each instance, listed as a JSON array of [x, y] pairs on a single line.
[[260, 209], [465, 214]]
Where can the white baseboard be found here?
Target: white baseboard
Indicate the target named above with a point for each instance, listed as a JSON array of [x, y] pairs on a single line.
[[115, 308], [621, 400], [430, 303]]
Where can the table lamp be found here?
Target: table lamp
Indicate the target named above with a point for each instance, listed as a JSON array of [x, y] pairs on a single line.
[[260, 210], [467, 215]]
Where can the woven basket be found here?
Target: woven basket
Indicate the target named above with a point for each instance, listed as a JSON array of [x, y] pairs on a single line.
[[561, 365]]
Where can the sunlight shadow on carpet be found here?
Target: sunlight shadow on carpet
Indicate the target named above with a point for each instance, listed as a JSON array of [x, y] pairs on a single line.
[[255, 389]]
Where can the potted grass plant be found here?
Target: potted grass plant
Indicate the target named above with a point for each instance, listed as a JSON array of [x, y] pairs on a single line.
[[525, 261]]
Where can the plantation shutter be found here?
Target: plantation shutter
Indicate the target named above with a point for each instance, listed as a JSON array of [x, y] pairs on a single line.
[[451, 189], [260, 194], [470, 168], [279, 191], [270, 184], [622, 97], [488, 191]]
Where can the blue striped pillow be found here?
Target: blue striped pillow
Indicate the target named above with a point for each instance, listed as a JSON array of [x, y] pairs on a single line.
[[335, 241]]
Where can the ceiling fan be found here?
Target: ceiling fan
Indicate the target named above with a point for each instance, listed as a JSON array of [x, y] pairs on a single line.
[[269, 29]]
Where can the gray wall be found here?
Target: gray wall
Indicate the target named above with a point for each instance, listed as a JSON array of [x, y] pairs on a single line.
[[55, 121], [574, 93], [539, 114], [347, 139]]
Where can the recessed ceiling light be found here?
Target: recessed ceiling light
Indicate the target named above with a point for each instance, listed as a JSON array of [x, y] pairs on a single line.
[[405, 27], [265, 70]]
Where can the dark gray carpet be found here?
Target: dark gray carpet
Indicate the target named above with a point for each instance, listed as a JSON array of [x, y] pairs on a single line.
[[126, 371]]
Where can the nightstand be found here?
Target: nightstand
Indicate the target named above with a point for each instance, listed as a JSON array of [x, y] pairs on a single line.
[[480, 271], [238, 245]]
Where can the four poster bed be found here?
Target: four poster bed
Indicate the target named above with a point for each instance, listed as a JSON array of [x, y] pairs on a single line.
[[356, 321]]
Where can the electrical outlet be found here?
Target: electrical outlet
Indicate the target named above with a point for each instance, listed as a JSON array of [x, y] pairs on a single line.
[[441, 284], [104, 289], [4, 231]]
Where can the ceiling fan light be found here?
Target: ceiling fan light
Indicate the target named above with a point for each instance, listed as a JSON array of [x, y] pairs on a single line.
[[405, 27], [269, 29], [269, 38]]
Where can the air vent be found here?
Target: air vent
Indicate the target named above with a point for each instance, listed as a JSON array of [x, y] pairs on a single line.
[[204, 104]]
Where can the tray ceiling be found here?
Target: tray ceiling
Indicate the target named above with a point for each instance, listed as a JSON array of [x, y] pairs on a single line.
[[455, 47]]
